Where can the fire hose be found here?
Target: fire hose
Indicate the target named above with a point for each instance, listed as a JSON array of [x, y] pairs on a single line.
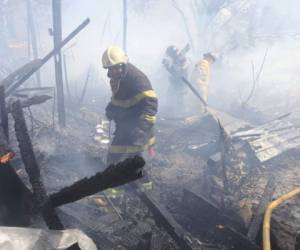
[[267, 218]]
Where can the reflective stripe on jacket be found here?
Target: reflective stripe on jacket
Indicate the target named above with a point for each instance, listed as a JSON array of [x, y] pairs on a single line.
[[133, 108]]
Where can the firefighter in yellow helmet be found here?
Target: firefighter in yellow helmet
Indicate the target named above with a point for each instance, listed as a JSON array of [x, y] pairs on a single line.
[[133, 106], [201, 73]]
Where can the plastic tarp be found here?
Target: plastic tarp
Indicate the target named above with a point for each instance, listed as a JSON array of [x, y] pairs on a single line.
[[17, 238]]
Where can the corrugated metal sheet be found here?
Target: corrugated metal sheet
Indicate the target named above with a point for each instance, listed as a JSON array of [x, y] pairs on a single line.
[[271, 139]]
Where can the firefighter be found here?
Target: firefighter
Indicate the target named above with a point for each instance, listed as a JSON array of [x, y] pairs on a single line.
[[177, 64], [133, 107], [201, 74]]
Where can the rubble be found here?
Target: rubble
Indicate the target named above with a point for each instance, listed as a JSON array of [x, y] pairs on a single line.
[[187, 162], [209, 183]]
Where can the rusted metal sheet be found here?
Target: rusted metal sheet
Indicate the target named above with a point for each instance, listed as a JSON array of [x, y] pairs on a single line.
[[270, 140]]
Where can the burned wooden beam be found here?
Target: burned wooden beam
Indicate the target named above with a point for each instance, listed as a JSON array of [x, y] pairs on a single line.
[[32, 169], [163, 218], [215, 224], [256, 222], [114, 175], [3, 112], [46, 58]]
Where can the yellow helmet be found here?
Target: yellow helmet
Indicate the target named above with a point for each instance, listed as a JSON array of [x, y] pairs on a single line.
[[112, 56]]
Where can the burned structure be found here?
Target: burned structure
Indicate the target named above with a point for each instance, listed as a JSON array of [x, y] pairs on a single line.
[[219, 177]]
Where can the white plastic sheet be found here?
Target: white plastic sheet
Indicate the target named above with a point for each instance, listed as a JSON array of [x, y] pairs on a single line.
[[16, 238]]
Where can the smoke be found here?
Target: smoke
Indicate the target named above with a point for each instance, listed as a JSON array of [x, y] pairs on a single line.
[[239, 31]]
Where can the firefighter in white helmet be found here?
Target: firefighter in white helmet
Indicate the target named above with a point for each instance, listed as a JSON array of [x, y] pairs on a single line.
[[177, 64], [133, 106]]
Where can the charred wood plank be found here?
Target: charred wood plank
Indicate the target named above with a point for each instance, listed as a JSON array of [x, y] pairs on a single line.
[[3, 112], [46, 58], [163, 218], [256, 222], [114, 175], [214, 224], [32, 169]]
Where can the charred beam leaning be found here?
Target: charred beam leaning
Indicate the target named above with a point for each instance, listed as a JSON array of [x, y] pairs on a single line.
[[114, 175], [46, 58], [32, 169]]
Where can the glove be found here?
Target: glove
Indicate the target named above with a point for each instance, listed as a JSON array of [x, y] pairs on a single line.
[[139, 137], [109, 113], [114, 113]]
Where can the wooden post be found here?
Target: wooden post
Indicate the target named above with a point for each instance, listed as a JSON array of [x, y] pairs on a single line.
[[125, 25], [57, 38], [32, 36], [32, 169]]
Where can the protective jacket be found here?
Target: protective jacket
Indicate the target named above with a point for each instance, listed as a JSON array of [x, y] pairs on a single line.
[[201, 76], [133, 108]]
